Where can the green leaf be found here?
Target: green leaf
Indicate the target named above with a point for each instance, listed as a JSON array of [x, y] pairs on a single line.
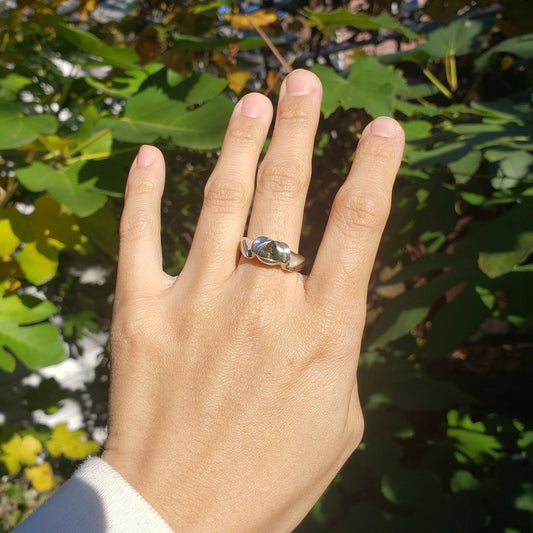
[[125, 85], [36, 344], [329, 22], [198, 88], [406, 311], [194, 42], [365, 516], [335, 88], [465, 167], [99, 146], [463, 480], [460, 36], [471, 438], [521, 46], [112, 55], [11, 85], [505, 109], [517, 165], [46, 396], [416, 488], [456, 321], [38, 261], [18, 129], [399, 385], [369, 85], [81, 198], [507, 241], [102, 230], [416, 130], [443, 154], [424, 265], [151, 115]]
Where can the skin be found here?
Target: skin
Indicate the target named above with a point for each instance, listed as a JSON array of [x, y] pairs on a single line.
[[233, 390]]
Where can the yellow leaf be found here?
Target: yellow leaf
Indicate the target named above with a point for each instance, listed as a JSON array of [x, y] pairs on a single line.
[[38, 261], [86, 7], [41, 477], [72, 444], [273, 81], [507, 61], [44, 232], [52, 144], [8, 240], [20, 450], [237, 76], [261, 17]]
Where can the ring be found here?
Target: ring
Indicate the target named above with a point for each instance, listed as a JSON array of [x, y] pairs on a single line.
[[272, 253]]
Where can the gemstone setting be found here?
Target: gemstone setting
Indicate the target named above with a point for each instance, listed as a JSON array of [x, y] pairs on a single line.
[[271, 252]]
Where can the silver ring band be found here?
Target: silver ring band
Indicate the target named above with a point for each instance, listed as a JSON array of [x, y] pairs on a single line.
[[272, 253]]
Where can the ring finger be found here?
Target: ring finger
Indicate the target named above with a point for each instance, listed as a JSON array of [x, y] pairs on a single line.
[[284, 174]]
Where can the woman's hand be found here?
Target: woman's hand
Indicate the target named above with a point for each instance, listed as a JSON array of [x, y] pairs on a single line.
[[233, 390]]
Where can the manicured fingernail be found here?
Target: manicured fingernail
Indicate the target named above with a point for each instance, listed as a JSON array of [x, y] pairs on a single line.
[[385, 127], [299, 82], [252, 106], [145, 157]]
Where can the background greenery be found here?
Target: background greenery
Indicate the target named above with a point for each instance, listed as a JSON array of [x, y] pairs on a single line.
[[447, 364]]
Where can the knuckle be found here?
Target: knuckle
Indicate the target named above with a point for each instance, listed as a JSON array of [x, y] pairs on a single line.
[[378, 154], [356, 210], [137, 226], [288, 177], [223, 196], [296, 115], [242, 136], [141, 185]]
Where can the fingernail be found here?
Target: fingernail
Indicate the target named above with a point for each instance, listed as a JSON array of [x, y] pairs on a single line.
[[145, 156], [385, 127], [252, 106], [299, 83]]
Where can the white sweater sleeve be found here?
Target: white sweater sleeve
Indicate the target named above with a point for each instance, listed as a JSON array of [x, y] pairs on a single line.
[[97, 499]]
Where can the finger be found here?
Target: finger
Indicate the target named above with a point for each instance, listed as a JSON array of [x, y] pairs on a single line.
[[229, 191], [140, 257], [340, 274], [283, 177]]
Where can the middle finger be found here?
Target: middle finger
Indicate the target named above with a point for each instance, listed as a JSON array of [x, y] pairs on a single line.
[[284, 175]]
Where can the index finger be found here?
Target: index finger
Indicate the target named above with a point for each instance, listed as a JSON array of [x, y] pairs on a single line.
[[340, 274]]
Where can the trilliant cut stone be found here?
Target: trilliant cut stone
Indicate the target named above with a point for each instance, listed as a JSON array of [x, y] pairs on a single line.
[[271, 252]]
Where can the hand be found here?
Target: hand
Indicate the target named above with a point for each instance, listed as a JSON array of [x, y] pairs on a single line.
[[233, 389]]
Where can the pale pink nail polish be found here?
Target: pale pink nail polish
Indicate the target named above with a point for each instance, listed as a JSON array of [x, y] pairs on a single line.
[[299, 83], [145, 157], [385, 127], [252, 106]]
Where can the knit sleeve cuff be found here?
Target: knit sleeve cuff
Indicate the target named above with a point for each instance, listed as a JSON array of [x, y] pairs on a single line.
[[97, 499]]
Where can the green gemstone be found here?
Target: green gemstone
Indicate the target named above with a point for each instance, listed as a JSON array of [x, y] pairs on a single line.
[[270, 252]]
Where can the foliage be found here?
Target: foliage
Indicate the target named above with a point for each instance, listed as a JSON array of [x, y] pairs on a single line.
[[445, 372], [38, 453]]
